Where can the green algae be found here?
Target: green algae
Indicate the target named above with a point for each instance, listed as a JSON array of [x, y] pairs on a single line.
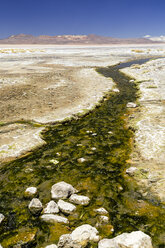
[[100, 176]]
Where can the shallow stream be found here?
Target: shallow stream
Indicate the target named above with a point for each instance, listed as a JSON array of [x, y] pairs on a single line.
[[104, 141]]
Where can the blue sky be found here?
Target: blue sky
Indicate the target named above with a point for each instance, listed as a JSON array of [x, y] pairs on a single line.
[[116, 18]]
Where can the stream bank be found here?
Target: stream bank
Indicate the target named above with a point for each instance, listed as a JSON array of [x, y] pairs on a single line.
[[99, 176]]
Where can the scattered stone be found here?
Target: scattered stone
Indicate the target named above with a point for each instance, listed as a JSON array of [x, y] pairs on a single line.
[[131, 171], [93, 148], [81, 160], [54, 161], [84, 234], [62, 190], [66, 207], [51, 208], [101, 211], [131, 105], [104, 219], [53, 218], [94, 134], [88, 131], [66, 241], [1, 218], [131, 81], [116, 90], [51, 246], [35, 206], [1, 246], [135, 239], [30, 192], [110, 132], [79, 199]]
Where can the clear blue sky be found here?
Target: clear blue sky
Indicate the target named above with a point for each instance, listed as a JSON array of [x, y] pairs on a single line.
[[116, 18]]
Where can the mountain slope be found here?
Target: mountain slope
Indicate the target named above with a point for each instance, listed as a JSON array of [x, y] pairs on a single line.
[[71, 39]]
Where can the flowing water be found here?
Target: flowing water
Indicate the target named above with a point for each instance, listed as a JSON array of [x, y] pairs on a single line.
[[104, 141]]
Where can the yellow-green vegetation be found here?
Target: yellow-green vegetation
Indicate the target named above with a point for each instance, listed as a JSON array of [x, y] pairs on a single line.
[[23, 237], [137, 51]]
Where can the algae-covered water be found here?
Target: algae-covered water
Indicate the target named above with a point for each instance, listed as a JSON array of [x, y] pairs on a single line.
[[104, 141]]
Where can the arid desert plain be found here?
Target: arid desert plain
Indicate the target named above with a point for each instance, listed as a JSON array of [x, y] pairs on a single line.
[[42, 87]]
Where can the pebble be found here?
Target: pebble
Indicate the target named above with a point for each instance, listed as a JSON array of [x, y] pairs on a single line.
[[66, 207], [131, 171], [30, 192], [104, 219], [62, 190], [131, 105], [81, 160], [35, 206], [79, 199], [53, 218], [51, 208], [2, 217], [51, 246], [101, 211]]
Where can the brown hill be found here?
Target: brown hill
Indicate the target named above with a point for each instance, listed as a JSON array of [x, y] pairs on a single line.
[[71, 39]]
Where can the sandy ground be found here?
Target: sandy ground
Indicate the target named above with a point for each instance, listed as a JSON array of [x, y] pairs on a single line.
[[45, 84], [149, 121]]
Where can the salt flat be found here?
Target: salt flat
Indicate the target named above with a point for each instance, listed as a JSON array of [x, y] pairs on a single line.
[[45, 84]]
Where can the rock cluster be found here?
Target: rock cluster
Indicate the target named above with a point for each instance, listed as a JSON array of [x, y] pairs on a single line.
[[60, 191], [85, 233]]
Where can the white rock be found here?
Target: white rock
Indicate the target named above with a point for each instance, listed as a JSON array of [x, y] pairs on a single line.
[[1, 246], [1, 218], [131, 170], [85, 233], [131, 105], [54, 161], [107, 243], [53, 218], [51, 208], [62, 190], [51, 246], [30, 192], [101, 211], [35, 206], [93, 148], [110, 132], [135, 239], [66, 241], [104, 219], [116, 90], [81, 160], [79, 199], [66, 207]]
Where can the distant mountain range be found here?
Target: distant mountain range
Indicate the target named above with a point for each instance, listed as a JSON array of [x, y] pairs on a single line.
[[73, 39], [156, 38]]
